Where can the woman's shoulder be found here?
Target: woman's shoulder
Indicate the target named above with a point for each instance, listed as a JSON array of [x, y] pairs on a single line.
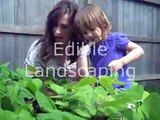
[[36, 44], [33, 55]]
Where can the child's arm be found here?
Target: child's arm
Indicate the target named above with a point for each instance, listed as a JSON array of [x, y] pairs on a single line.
[[135, 52], [82, 63], [82, 67]]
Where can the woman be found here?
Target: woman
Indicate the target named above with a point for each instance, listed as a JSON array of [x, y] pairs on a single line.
[[58, 49]]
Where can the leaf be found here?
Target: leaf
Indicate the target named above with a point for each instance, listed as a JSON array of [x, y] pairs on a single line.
[[58, 115], [84, 94], [83, 112], [5, 72], [56, 88], [55, 115], [114, 76], [2, 87], [30, 68], [24, 94], [34, 85], [24, 115], [121, 100], [4, 65], [101, 94], [71, 116], [44, 102], [86, 81], [63, 104], [145, 95], [13, 91], [7, 115], [130, 115], [133, 94], [38, 83], [151, 107], [69, 86], [106, 81], [109, 111], [22, 73], [6, 104], [86, 99]]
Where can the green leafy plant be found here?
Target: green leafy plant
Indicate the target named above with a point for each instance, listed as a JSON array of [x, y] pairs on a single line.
[[27, 98]]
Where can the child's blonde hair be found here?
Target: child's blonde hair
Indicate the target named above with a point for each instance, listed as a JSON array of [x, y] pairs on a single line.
[[89, 17]]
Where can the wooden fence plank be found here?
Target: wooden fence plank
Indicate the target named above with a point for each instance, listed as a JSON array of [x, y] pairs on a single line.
[[149, 24], [110, 11], [158, 22], [131, 19], [8, 40], [125, 17], [35, 30], [145, 19], [146, 77], [20, 12], [8, 12], [80, 3], [8, 49], [156, 56], [120, 16], [20, 46], [141, 17], [1, 36], [154, 22], [47, 7], [20, 40], [136, 18], [33, 12], [152, 1], [115, 15], [147, 58], [1, 48], [1, 11], [144, 39], [32, 30]]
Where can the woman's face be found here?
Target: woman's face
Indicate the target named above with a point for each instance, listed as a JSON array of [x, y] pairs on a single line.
[[62, 31]]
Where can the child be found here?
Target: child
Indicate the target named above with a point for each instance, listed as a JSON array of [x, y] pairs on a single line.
[[93, 26]]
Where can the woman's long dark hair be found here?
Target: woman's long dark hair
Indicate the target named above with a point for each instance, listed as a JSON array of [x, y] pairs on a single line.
[[48, 40]]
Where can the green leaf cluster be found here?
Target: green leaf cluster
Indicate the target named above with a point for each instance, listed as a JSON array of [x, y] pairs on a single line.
[[90, 98]]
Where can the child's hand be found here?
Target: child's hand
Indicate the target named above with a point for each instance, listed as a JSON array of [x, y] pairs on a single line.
[[115, 65], [85, 50]]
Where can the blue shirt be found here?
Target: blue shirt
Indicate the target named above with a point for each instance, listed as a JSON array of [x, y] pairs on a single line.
[[116, 44]]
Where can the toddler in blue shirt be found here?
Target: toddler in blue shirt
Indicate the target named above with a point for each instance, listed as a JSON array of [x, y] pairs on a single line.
[[112, 51]]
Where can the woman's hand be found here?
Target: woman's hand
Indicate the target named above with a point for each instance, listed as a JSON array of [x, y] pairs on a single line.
[[115, 65]]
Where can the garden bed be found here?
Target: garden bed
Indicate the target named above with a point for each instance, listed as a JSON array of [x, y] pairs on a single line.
[[26, 98]]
